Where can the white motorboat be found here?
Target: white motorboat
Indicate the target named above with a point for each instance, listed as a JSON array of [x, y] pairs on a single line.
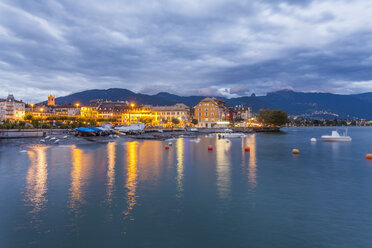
[[336, 137], [231, 135], [132, 128]]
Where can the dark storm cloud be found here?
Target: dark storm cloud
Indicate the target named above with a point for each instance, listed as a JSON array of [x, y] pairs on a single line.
[[214, 47]]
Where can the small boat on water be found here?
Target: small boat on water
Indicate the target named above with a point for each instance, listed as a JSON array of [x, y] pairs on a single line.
[[231, 135], [336, 137]]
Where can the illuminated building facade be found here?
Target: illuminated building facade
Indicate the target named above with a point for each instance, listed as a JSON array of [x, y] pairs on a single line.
[[242, 116], [112, 110], [66, 111], [211, 112], [89, 112], [144, 114], [12, 109], [178, 111]]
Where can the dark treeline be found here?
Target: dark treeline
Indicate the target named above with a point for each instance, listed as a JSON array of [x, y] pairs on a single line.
[[320, 122]]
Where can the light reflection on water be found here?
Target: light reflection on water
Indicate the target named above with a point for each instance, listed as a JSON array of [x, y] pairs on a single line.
[[79, 177], [180, 166], [223, 167], [111, 157], [131, 180], [250, 141], [37, 176], [174, 198]]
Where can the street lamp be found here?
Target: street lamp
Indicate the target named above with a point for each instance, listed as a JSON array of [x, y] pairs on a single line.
[[77, 105], [32, 107]]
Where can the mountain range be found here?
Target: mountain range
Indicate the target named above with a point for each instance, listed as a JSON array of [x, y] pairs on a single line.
[[312, 105]]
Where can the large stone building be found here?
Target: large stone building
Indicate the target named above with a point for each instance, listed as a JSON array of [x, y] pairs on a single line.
[[89, 112], [241, 115], [167, 113], [66, 110], [12, 109], [109, 110], [211, 112], [2, 112]]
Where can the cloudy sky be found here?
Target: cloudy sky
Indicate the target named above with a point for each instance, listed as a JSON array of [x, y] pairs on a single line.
[[187, 47]]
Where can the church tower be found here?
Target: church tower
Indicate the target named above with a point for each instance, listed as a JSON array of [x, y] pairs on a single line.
[[51, 100]]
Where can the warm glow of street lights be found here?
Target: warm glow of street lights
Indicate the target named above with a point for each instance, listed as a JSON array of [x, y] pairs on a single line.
[[77, 105], [132, 105], [41, 109]]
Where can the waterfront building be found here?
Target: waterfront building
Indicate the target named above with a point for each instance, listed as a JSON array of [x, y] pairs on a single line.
[[12, 109], [2, 112], [140, 114], [89, 112], [241, 115], [66, 110], [39, 111], [211, 112], [112, 110], [166, 114]]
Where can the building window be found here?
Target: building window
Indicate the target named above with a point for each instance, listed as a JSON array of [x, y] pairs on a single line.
[[206, 113], [200, 114]]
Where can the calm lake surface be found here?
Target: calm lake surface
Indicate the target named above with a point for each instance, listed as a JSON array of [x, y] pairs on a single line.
[[137, 194]]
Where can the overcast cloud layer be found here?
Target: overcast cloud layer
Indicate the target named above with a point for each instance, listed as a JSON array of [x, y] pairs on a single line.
[[185, 47]]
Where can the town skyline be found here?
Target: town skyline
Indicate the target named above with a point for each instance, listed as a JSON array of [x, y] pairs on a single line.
[[189, 48]]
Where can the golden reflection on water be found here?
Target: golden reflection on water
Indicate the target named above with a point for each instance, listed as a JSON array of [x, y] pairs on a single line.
[[131, 181], [150, 154], [111, 154], [252, 165], [36, 179], [78, 177], [223, 168], [180, 165]]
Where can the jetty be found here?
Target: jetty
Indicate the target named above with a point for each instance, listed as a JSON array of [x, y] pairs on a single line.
[[29, 133]]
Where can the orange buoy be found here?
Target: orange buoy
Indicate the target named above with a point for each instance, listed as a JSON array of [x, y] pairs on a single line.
[[247, 148], [295, 151], [368, 156], [210, 148], [166, 147]]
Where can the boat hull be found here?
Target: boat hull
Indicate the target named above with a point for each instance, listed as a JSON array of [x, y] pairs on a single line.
[[336, 139]]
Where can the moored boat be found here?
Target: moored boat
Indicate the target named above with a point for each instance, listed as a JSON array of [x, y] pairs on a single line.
[[231, 135], [336, 137]]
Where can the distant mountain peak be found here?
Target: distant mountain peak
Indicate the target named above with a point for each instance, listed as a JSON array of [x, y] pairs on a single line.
[[294, 103]]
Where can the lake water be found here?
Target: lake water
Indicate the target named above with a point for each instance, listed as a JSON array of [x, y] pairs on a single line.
[[137, 194]]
